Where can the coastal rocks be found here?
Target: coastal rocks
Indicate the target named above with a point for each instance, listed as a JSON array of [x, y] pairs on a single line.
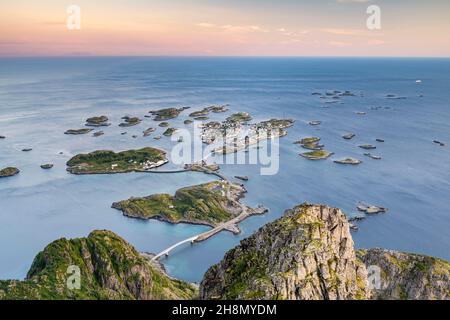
[[239, 117], [78, 131], [307, 254], [98, 134], [9, 172], [218, 109], [439, 143], [163, 124], [370, 209], [207, 110], [394, 97], [148, 132], [110, 268], [166, 114], [375, 157], [351, 161], [407, 276], [129, 121], [316, 155], [187, 121], [379, 140], [367, 146], [47, 166], [310, 143], [275, 124], [100, 121], [243, 178], [105, 161], [348, 136], [201, 118], [199, 113], [169, 132]]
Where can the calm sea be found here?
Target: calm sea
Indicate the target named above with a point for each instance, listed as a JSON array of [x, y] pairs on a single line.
[[40, 98]]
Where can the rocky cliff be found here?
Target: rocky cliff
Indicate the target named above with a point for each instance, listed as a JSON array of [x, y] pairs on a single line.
[[406, 275], [110, 268], [309, 254]]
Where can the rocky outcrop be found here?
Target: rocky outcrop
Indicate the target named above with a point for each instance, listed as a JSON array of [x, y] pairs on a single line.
[[306, 254], [8, 172], [309, 254], [110, 268], [398, 275]]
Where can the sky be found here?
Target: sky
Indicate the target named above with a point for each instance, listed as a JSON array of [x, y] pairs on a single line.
[[225, 28]]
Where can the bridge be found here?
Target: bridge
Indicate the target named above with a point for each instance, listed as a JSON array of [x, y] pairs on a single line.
[[230, 225], [166, 251]]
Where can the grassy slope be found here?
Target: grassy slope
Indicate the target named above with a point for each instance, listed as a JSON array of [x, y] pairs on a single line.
[[101, 161], [110, 269], [197, 203]]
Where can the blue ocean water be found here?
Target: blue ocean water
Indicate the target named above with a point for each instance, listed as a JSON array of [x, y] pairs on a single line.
[[40, 98]]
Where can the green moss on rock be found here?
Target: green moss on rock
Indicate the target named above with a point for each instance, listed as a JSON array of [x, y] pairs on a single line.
[[203, 204], [106, 161], [110, 269]]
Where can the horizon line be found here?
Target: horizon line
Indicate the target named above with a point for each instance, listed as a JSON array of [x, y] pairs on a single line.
[[221, 56]]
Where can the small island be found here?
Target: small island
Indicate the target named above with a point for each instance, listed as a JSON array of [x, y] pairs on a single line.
[[208, 204], [8, 172], [348, 136], [239, 117], [310, 143], [100, 121], [163, 124], [207, 110], [78, 131], [105, 161], [148, 131], [367, 146], [351, 161], [316, 155], [129, 121], [169, 132], [98, 134], [166, 114], [47, 166]]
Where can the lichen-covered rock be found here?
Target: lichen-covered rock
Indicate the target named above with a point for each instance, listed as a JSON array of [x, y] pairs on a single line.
[[306, 254], [8, 172], [406, 275], [110, 268]]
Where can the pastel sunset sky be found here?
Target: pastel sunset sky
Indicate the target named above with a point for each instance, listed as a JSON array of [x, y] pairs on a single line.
[[225, 28]]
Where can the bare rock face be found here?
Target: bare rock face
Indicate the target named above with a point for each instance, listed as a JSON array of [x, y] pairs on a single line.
[[398, 275], [306, 254]]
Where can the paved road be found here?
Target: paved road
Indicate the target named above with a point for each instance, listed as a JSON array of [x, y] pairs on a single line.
[[230, 225]]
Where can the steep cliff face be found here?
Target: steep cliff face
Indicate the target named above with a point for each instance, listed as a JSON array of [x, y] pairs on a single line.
[[405, 275], [306, 254], [110, 268]]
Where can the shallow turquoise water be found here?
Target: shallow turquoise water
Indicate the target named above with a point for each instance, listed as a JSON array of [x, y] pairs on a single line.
[[41, 98]]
